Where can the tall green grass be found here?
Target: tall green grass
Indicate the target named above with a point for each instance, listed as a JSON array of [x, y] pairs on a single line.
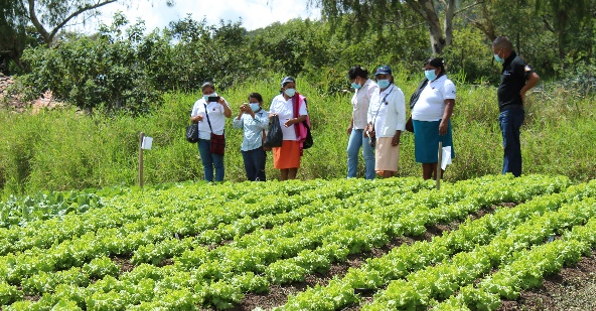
[[60, 149]]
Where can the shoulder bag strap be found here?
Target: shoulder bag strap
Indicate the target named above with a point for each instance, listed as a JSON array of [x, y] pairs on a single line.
[[208, 121], [383, 101]]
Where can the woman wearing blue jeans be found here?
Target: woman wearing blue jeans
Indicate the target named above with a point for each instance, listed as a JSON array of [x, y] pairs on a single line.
[[365, 88], [253, 120], [210, 112]]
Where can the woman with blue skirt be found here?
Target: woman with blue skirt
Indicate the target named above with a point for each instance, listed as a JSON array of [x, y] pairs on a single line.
[[431, 116]]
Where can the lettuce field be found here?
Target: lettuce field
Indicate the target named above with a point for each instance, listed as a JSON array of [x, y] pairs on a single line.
[[198, 246]]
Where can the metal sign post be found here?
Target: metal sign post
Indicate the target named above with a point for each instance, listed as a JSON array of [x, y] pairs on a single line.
[[438, 175], [141, 159]]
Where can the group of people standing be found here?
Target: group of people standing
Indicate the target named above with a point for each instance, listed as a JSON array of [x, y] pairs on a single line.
[[379, 115], [289, 106], [378, 120]]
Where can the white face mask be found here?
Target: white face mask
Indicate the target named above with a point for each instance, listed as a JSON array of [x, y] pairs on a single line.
[[290, 92]]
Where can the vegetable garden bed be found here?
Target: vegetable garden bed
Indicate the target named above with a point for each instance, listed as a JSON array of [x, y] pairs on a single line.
[[392, 244]]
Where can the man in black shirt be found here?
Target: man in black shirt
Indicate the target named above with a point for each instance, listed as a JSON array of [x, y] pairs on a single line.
[[516, 79]]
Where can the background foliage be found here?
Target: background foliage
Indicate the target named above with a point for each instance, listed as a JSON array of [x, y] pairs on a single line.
[[60, 149], [130, 80]]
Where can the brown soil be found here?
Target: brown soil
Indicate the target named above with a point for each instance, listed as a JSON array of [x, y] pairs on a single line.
[[124, 263], [573, 289]]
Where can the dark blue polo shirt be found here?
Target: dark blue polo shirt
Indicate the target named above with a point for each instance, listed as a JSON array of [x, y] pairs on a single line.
[[513, 78]]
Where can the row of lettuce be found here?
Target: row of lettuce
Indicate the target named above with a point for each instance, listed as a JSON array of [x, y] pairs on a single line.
[[197, 245]]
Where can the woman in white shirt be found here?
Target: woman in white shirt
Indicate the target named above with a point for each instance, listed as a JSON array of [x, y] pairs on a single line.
[[386, 120], [210, 112], [364, 90], [291, 109], [431, 117]]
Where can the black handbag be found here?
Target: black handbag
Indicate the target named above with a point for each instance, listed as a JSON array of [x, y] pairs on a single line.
[[192, 133], [275, 136], [308, 142]]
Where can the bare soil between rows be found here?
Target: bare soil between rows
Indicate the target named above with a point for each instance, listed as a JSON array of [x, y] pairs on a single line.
[[573, 289]]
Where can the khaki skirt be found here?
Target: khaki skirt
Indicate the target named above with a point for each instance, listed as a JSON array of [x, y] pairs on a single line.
[[287, 156], [386, 155]]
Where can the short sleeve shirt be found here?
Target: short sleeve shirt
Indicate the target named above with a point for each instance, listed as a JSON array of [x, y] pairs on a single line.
[[216, 117], [431, 103], [513, 79], [285, 110]]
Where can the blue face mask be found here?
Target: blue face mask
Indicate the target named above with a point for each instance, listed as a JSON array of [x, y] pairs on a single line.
[[430, 74], [356, 86], [499, 59], [290, 92], [255, 106], [383, 84]]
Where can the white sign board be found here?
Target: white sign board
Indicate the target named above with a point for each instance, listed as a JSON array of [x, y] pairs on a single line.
[[446, 158], [147, 143]]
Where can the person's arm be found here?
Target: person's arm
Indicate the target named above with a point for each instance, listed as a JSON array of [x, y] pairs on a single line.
[[227, 111], [449, 96], [351, 126], [400, 107], [290, 122], [262, 121], [302, 112], [533, 79], [368, 131], [238, 122], [449, 104], [195, 116]]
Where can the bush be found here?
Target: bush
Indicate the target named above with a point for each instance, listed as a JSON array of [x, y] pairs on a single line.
[[61, 150]]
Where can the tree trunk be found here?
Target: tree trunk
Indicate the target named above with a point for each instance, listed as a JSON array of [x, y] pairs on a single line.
[[449, 14], [426, 9], [33, 17]]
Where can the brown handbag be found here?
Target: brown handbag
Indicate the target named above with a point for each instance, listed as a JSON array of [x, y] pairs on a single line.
[[217, 142]]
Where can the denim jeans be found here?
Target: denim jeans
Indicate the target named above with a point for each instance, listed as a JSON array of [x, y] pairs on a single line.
[[254, 164], [356, 141], [511, 120], [210, 161]]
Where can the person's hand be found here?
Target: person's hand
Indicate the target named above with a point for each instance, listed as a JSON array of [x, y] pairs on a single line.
[[349, 130], [370, 131], [271, 115], [443, 127], [197, 119], [244, 107], [395, 140], [289, 123], [222, 101]]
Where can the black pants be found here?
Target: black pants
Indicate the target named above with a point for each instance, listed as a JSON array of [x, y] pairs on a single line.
[[254, 164]]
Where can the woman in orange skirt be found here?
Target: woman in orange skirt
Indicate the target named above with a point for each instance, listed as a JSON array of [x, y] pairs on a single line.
[[291, 109]]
